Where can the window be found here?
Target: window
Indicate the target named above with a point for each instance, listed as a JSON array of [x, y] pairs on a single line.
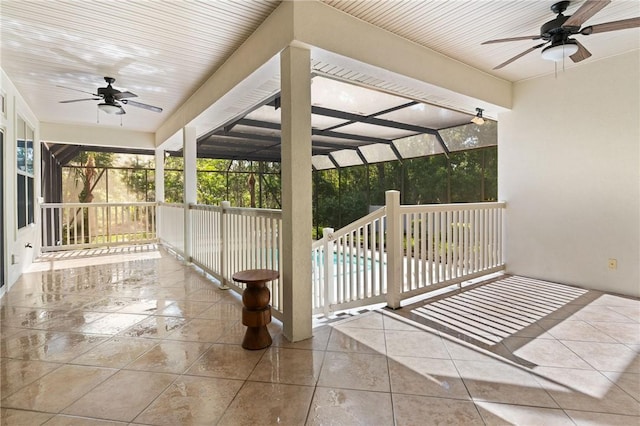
[[25, 178]]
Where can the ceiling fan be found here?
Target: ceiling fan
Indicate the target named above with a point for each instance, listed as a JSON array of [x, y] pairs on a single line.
[[559, 31], [112, 98]]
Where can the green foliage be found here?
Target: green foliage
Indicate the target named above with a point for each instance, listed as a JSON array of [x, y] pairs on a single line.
[[340, 196], [140, 177], [88, 170], [218, 180], [173, 179], [101, 159], [427, 179]]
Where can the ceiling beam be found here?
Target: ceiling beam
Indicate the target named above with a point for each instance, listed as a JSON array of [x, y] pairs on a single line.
[[316, 132], [67, 155], [371, 120], [380, 122]]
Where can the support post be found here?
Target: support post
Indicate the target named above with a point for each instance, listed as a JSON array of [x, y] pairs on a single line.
[[328, 281], [159, 175], [394, 249], [159, 195], [189, 152], [224, 247], [295, 66]]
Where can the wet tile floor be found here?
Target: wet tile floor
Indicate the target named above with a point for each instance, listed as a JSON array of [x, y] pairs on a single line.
[[140, 338]]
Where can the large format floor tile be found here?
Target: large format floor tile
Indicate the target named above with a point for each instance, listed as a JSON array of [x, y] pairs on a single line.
[[58, 389], [332, 406], [191, 400], [144, 339], [122, 396], [169, 357], [351, 370], [226, 362], [418, 410], [587, 390], [268, 404], [426, 376], [495, 381], [292, 366], [16, 373]]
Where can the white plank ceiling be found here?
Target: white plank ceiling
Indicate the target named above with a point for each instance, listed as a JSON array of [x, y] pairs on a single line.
[[164, 50]]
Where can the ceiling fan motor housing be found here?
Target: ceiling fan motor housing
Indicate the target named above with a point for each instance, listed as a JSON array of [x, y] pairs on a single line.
[[560, 7], [554, 27], [109, 94]]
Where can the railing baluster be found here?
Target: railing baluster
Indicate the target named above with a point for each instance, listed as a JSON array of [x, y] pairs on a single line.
[[407, 244]]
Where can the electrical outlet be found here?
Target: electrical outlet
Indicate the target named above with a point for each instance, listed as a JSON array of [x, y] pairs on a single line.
[[613, 264], [15, 259]]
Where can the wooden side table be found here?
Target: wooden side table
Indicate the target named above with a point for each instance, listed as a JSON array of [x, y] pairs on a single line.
[[256, 313]]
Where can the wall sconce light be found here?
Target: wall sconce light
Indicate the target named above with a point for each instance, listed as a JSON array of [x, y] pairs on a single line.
[[478, 118]]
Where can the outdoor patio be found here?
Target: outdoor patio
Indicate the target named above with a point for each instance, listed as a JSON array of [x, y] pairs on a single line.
[[134, 336]]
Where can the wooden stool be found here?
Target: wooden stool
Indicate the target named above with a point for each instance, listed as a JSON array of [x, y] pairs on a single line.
[[256, 313]]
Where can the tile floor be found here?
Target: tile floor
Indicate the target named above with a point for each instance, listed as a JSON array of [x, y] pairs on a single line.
[[141, 339]]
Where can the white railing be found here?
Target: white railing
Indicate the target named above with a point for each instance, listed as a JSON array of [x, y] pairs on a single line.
[[449, 243], [68, 226], [208, 239], [349, 266], [252, 239], [390, 255], [225, 240], [398, 252], [171, 226]]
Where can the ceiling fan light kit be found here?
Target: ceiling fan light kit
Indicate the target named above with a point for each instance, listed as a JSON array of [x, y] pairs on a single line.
[[111, 108], [559, 30], [559, 51]]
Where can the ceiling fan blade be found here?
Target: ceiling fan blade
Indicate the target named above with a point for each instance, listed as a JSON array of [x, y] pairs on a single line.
[[124, 95], [531, 49], [502, 40], [581, 54], [79, 100], [78, 90], [584, 12], [141, 105], [611, 26]]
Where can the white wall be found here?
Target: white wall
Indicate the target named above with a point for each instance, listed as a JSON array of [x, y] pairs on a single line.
[[569, 170], [17, 239]]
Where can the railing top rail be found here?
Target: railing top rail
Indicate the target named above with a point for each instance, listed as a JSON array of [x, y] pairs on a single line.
[[244, 211], [451, 207], [140, 204], [205, 207], [176, 205], [377, 214]]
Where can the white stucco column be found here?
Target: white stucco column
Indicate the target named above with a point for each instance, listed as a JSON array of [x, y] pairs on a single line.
[[190, 194], [296, 191], [159, 175]]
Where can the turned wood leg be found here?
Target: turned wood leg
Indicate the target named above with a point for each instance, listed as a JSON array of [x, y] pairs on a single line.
[[256, 314]]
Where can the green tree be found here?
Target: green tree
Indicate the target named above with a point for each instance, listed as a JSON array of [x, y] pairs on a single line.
[[89, 169], [139, 176]]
